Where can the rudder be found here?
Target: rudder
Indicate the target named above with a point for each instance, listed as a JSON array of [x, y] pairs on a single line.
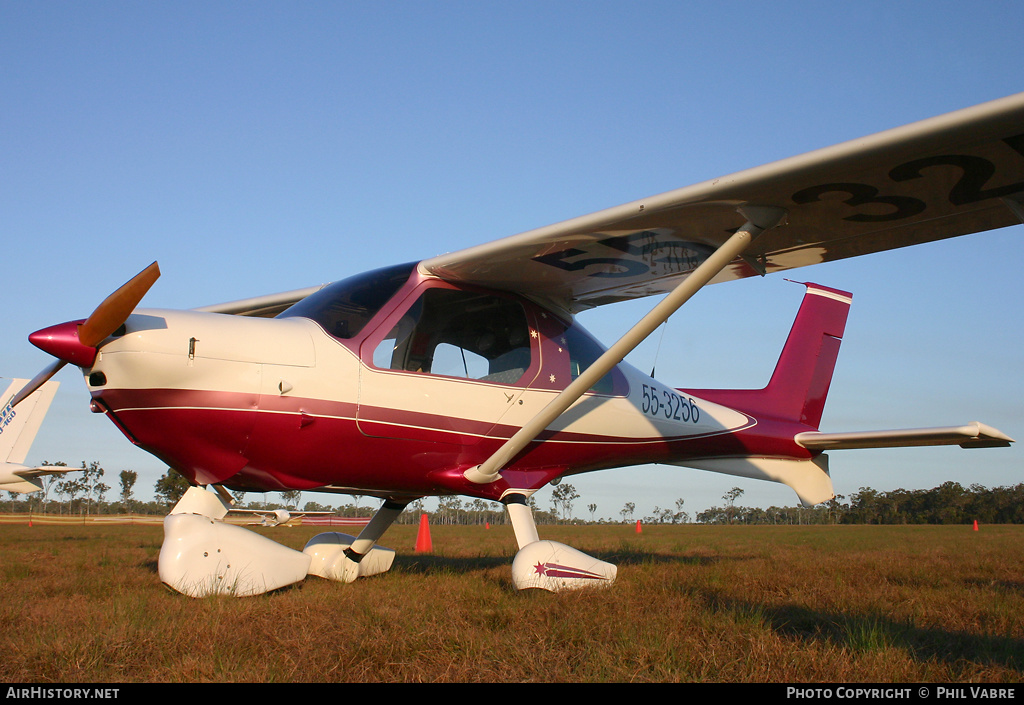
[[800, 383]]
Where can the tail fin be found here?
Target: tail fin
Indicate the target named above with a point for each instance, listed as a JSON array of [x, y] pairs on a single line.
[[799, 385], [18, 428]]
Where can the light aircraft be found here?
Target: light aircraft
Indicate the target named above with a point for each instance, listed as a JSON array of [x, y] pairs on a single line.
[[276, 517], [467, 373], [17, 431]]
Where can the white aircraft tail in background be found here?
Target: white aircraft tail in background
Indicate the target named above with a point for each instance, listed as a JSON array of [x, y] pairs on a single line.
[[18, 428]]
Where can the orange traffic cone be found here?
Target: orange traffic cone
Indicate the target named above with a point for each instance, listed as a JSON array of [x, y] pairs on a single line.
[[487, 525], [423, 542], [638, 529], [975, 524]]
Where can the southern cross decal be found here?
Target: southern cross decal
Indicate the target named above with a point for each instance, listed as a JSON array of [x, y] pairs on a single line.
[[553, 570]]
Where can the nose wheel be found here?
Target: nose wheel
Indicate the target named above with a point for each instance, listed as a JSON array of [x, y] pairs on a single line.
[[204, 555]]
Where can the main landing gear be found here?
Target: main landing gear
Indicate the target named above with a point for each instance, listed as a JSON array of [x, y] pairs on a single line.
[[550, 565], [204, 555]]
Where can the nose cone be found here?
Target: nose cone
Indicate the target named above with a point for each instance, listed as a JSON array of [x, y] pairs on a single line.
[[62, 342]]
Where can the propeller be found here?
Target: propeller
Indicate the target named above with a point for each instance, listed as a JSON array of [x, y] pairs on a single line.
[[76, 341], [116, 308]]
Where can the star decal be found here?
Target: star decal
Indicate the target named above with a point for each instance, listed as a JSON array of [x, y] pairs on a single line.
[[551, 378], [533, 333], [540, 568]]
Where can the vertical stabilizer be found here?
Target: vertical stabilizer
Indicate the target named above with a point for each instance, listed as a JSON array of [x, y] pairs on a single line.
[[18, 426], [803, 374], [800, 383]]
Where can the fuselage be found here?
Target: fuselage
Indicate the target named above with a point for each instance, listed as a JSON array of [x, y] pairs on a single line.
[[394, 386]]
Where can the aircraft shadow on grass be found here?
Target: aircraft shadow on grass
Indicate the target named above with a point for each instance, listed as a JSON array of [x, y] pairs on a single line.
[[856, 631], [426, 563], [873, 631]]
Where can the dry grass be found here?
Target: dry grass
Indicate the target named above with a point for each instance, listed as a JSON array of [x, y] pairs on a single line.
[[692, 603]]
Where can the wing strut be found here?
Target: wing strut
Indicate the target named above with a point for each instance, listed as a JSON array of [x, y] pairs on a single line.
[[759, 219]]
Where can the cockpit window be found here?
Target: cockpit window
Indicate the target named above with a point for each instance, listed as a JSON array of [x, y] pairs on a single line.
[[460, 334], [344, 307], [583, 352]]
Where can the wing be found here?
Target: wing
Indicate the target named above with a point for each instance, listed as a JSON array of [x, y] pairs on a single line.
[[262, 306], [946, 176]]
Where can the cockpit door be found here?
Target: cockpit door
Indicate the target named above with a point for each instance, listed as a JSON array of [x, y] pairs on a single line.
[[447, 365]]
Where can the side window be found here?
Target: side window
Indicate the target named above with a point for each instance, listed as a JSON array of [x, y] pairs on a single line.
[[459, 334], [583, 352]]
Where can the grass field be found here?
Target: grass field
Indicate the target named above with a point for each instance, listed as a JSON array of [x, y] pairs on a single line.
[[692, 603]]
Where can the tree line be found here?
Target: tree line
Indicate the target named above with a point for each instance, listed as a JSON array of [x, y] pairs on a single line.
[[949, 503], [85, 490]]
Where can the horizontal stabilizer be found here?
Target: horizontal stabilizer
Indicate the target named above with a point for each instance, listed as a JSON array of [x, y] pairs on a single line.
[[972, 435], [21, 478], [808, 477]]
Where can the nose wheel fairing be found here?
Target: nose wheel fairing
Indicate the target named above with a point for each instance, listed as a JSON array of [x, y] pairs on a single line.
[[202, 555]]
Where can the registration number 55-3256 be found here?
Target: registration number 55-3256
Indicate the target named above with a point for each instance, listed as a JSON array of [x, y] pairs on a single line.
[[665, 403]]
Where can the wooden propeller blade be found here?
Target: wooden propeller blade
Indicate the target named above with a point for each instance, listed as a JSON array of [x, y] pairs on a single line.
[[38, 381], [116, 308]]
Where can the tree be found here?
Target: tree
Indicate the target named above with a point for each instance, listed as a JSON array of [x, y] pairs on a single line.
[[627, 511], [171, 486], [730, 498], [864, 506], [562, 497], [680, 517], [50, 481], [70, 487], [448, 508], [713, 515], [593, 509], [834, 508], [128, 479], [660, 516], [92, 484]]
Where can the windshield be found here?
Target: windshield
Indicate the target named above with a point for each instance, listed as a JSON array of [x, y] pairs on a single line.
[[344, 307]]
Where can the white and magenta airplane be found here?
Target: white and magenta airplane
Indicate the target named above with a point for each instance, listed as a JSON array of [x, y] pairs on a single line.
[[467, 373]]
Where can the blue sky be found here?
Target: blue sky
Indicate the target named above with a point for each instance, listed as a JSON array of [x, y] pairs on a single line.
[[260, 147]]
